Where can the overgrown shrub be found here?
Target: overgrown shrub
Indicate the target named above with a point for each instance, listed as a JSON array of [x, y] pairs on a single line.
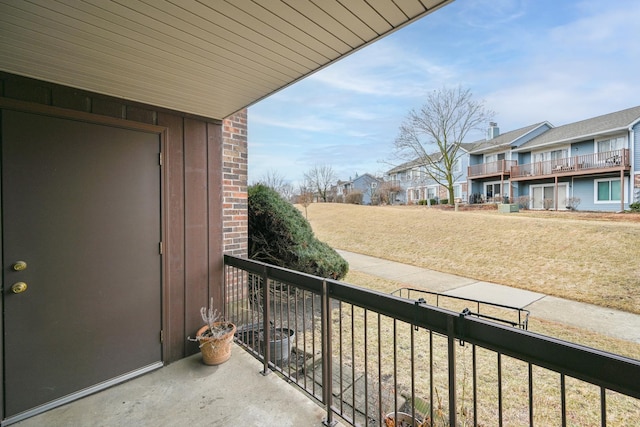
[[573, 202], [355, 198], [280, 235], [548, 204], [523, 202]]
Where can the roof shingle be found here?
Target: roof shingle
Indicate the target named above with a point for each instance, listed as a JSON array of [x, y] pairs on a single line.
[[589, 128]]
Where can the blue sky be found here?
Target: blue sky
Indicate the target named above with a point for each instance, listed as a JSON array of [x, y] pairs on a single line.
[[529, 60]]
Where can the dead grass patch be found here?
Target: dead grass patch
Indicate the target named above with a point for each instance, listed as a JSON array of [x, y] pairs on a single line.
[[360, 334], [580, 256]]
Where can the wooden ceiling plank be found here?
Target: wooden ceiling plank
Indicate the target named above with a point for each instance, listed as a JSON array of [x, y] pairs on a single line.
[[347, 18], [411, 7], [70, 32], [391, 13], [153, 20], [217, 102], [85, 62], [297, 18], [432, 4], [195, 51], [206, 57], [245, 37], [205, 29], [293, 34], [281, 41], [364, 11], [330, 23]]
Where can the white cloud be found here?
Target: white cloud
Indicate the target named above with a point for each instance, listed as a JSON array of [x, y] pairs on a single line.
[[305, 122], [491, 13], [385, 69], [531, 61]]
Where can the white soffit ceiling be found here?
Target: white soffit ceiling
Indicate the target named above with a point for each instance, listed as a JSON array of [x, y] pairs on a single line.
[[206, 57]]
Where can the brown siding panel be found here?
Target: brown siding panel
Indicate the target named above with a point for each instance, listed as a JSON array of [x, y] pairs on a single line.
[[26, 90], [196, 223], [174, 241], [71, 99], [109, 108], [141, 115], [214, 137]]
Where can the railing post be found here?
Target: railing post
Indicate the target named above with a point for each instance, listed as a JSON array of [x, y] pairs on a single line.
[[452, 370], [266, 315], [327, 365]]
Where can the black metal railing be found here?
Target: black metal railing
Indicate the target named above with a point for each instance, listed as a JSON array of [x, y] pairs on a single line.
[[367, 356]]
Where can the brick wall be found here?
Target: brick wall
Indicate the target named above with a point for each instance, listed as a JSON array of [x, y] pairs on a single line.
[[234, 184]]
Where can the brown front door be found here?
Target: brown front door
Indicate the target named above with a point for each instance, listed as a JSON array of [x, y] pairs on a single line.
[[81, 207]]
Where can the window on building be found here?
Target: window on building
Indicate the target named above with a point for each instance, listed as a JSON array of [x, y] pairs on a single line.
[[608, 190], [550, 155], [431, 192], [611, 144], [457, 191], [489, 158], [374, 184], [558, 154], [492, 190]]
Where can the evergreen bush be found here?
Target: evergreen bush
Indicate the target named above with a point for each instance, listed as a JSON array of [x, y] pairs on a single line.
[[280, 235]]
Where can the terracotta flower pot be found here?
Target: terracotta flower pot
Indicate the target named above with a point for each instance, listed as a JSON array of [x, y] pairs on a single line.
[[215, 350], [404, 420]]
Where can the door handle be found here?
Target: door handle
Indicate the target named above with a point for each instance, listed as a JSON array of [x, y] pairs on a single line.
[[18, 287]]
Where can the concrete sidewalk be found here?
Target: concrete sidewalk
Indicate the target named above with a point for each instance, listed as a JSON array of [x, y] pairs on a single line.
[[606, 321]]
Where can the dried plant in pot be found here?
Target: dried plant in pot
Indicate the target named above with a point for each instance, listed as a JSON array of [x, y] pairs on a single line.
[[215, 337]]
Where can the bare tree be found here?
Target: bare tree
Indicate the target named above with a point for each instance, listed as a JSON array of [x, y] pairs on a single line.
[[272, 179], [387, 191], [287, 191], [373, 193], [433, 134], [276, 181], [320, 178], [305, 197]]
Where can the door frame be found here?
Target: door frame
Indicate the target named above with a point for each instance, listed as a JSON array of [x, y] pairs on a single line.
[[162, 132]]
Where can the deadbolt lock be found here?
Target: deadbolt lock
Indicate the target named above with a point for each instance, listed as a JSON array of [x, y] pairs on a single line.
[[19, 266], [18, 287]]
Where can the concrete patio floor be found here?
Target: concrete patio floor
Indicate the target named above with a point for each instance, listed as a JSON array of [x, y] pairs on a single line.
[[189, 393]]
